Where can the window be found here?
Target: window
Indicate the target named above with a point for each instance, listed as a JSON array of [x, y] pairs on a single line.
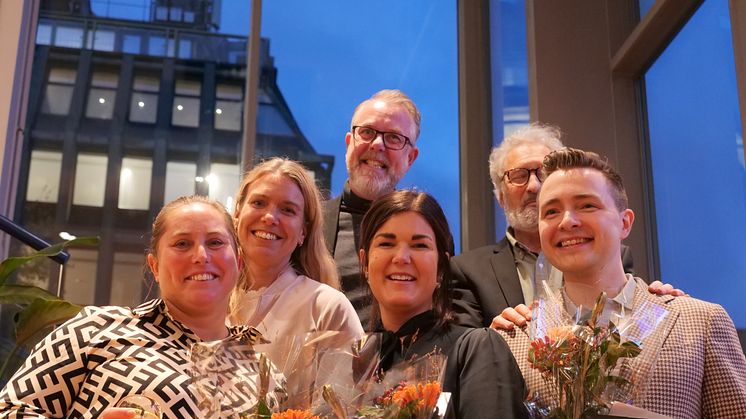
[[70, 37], [103, 40], [79, 284], [179, 180], [144, 99], [228, 107], [44, 34], [134, 183], [59, 91], [131, 44], [101, 95], [127, 280], [185, 112], [90, 180], [224, 180], [44, 176], [696, 148]]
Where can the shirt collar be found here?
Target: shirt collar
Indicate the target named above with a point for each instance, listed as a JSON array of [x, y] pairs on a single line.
[[523, 251]]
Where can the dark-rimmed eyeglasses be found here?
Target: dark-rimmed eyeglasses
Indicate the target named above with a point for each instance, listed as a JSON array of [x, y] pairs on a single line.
[[391, 140], [520, 176]]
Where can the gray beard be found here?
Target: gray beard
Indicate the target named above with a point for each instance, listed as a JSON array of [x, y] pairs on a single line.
[[524, 219], [372, 186]]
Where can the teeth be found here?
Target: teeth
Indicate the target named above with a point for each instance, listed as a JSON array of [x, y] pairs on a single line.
[[572, 242], [375, 163], [202, 277], [398, 277], [265, 235]]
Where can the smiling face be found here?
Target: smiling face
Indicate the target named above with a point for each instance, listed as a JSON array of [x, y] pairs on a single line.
[[580, 226], [270, 222], [195, 261], [373, 169], [402, 268], [519, 202]]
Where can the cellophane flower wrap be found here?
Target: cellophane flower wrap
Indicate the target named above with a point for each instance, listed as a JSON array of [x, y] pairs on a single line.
[[230, 379], [409, 390], [587, 359], [323, 373]]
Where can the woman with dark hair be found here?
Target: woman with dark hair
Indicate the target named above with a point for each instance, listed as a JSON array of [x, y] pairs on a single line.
[[405, 245]]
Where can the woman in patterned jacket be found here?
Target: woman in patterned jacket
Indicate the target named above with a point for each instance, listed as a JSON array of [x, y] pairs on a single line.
[[91, 362]]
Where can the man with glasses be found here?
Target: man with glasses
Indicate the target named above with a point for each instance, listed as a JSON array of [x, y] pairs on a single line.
[[381, 147], [495, 278]]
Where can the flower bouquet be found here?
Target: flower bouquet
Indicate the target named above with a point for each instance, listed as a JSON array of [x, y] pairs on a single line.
[[409, 390], [585, 360]]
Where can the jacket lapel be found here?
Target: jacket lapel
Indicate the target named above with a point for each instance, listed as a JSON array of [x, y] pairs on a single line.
[[331, 222], [506, 275]]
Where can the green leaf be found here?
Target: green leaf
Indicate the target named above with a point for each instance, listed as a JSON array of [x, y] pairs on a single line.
[[41, 314], [12, 263], [24, 294]]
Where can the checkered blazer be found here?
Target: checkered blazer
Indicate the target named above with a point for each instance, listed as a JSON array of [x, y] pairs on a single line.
[[691, 366]]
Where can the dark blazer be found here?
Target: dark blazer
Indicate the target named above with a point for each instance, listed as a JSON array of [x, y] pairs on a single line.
[[330, 210], [485, 282]]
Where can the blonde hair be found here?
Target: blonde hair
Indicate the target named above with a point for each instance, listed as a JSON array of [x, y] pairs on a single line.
[[396, 97], [312, 258]]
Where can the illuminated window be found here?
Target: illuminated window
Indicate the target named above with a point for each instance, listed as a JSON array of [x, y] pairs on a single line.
[[224, 180], [101, 95], [144, 99], [228, 107], [90, 180], [59, 91], [134, 183], [185, 112], [179, 180], [44, 176]]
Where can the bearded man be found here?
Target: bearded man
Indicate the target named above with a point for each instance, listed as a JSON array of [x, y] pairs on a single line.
[[381, 147]]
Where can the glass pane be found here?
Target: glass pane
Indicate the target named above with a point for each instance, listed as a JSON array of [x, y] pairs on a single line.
[[69, 37], [44, 176], [228, 91], [134, 183], [62, 75], [80, 276], [43, 34], [103, 79], [224, 180], [179, 180], [697, 153], [185, 112], [57, 99], [90, 180], [228, 115], [143, 107], [127, 279], [100, 103], [131, 44], [157, 46], [328, 63], [103, 40], [146, 84], [188, 87]]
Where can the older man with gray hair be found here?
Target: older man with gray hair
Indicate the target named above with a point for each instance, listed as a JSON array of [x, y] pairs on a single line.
[[500, 279]]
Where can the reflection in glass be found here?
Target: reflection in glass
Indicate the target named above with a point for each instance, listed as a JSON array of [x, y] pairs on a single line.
[[127, 280], [69, 37], [224, 180], [695, 133], [179, 180], [134, 183], [59, 91], [90, 180], [44, 176], [79, 284], [101, 95]]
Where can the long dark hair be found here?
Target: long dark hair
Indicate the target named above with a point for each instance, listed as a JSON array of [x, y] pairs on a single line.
[[426, 206]]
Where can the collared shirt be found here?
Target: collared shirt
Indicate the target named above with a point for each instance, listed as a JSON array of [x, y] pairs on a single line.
[[614, 309], [527, 262], [103, 354]]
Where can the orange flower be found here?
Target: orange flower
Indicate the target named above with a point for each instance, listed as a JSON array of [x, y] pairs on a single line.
[[429, 394], [294, 414], [404, 395]]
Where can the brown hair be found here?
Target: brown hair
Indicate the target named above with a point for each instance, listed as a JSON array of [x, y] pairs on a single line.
[[572, 158], [426, 206], [159, 224]]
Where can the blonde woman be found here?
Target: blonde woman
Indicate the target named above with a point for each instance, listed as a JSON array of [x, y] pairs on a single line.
[[290, 283]]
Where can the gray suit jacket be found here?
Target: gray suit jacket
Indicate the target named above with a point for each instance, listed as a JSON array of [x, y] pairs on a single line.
[[691, 366], [485, 282]]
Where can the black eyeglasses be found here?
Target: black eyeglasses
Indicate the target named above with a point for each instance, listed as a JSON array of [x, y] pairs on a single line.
[[520, 176], [391, 140]]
